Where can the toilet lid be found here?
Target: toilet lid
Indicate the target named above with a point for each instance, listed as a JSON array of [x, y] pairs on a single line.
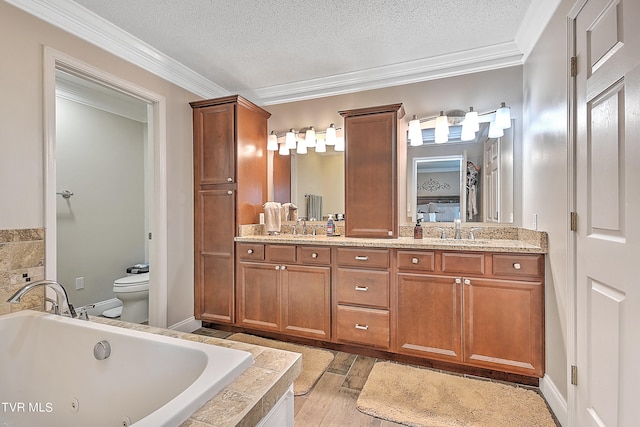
[[136, 279]]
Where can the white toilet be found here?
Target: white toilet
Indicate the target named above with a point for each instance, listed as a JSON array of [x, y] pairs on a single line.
[[133, 291]]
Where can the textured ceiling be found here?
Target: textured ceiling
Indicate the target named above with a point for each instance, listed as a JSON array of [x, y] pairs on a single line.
[[246, 45]]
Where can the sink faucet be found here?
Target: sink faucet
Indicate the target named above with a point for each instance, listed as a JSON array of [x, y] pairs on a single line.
[[61, 297], [304, 227], [471, 236], [458, 225]]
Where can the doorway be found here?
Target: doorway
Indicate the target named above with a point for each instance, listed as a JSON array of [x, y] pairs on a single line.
[[155, 203]]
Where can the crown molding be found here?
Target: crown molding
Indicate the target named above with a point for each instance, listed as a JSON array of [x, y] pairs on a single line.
[[88, 26], [470, 61], [535, 21]]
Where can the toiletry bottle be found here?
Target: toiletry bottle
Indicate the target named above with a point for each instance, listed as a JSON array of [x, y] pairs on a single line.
[[417, 230], [330, 226]]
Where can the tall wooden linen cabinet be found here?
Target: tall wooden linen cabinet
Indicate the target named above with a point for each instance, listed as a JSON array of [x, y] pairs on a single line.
[[230, 188], [372, 170]]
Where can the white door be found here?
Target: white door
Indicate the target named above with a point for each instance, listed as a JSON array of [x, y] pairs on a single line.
[[608, 207], [492, 180]]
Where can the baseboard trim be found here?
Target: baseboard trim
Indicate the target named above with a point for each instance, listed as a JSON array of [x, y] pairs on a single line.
[[556, 401], [187, 325]]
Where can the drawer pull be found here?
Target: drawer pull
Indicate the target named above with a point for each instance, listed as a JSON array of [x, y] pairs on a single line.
[[250, 251], [229, 192], [467, 281], [229, 179], [362, 327], [362, 258], [415, 260], [517, 266], [458, 281], [314, 255], [362, 288]]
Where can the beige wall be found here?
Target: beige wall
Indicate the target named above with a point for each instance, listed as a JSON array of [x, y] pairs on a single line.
[[484, 91], [545, 177], [22, 38]]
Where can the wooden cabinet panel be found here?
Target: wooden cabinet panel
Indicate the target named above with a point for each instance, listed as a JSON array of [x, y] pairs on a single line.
[[503, 325], [462, 263], [251, 251], [307, 301], [362, 287], [363, 258], [363, 325], [371, 174], [259, 299], [280, 253], [422, 261], [429, 316], [314, 255], [214, 145], [520, 266], [214, 255]]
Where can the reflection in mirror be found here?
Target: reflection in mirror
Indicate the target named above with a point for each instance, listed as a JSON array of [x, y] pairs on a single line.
[[482, 184], [320, 175]]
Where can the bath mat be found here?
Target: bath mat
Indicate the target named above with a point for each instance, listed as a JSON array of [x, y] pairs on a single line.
[[314, 360], [422, 397]]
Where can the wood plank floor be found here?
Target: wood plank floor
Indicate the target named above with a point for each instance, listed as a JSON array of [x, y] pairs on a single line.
[[332, 401]]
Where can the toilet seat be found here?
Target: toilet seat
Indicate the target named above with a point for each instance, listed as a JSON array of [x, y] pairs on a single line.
[[134, 283]]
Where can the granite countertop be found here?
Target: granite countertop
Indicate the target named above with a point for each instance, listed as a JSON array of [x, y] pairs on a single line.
[[493, 239], [250, 397]]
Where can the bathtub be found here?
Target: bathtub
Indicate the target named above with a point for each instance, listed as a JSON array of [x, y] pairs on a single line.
[[49, 375]]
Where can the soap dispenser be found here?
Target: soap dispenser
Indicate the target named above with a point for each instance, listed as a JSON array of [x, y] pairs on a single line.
[[417, 230], [330, 226]]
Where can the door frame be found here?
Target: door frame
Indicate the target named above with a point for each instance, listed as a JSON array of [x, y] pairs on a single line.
[[156, 123]]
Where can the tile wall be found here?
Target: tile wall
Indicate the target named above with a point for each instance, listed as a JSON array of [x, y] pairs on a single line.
[[21, 261]]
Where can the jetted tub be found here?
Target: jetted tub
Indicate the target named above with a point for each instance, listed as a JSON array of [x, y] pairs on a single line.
[[49, 375]]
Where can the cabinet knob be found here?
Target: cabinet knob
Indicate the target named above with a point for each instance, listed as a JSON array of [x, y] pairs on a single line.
[[229, 192], [362, 327], [362, 288], [314, 255], [458, 281], [467, 281], [283, 267], [277, 267], [229, 179], [415, 260], [250, 251], [362, 258], [517, 266]]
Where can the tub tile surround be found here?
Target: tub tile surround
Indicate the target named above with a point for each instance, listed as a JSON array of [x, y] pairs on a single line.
[[251, 396], [21, 261], [492, 238]]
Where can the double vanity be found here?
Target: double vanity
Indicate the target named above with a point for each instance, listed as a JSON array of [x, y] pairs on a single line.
[[472, 305]]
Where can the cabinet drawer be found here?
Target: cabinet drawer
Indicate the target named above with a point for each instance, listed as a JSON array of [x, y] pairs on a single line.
[[363, 325], [465, 263], [416, 260], [365, 258], [314, 255], [518, 265], [280, 253], [360, 287], [251, 251]]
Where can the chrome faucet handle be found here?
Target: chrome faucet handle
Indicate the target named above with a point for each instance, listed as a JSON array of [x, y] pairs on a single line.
[[54, 305], [443, 231], [82, 312], [313, 231], [471, 236]]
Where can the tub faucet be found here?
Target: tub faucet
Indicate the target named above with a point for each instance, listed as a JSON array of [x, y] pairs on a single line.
[[61, 301]]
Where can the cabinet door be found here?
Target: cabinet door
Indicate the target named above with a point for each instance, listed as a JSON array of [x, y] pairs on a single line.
[[504, 325], [214, 255], [371, 197], [429, 316], [259, 296], [306, 301], [214, 144]]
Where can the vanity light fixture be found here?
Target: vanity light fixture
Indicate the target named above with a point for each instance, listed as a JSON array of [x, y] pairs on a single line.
[[283, 151], [330, 135], [494, 130], [310, 137], [470, 125], [290, 139], [415, 132], [272, 141], [302, 147], [442, 128], [339, 144], [503, 117]]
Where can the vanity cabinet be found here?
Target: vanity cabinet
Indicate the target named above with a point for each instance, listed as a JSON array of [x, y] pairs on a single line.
[[481, 309], [229, 190], [371, 170], [362, 297], [285, 288]]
